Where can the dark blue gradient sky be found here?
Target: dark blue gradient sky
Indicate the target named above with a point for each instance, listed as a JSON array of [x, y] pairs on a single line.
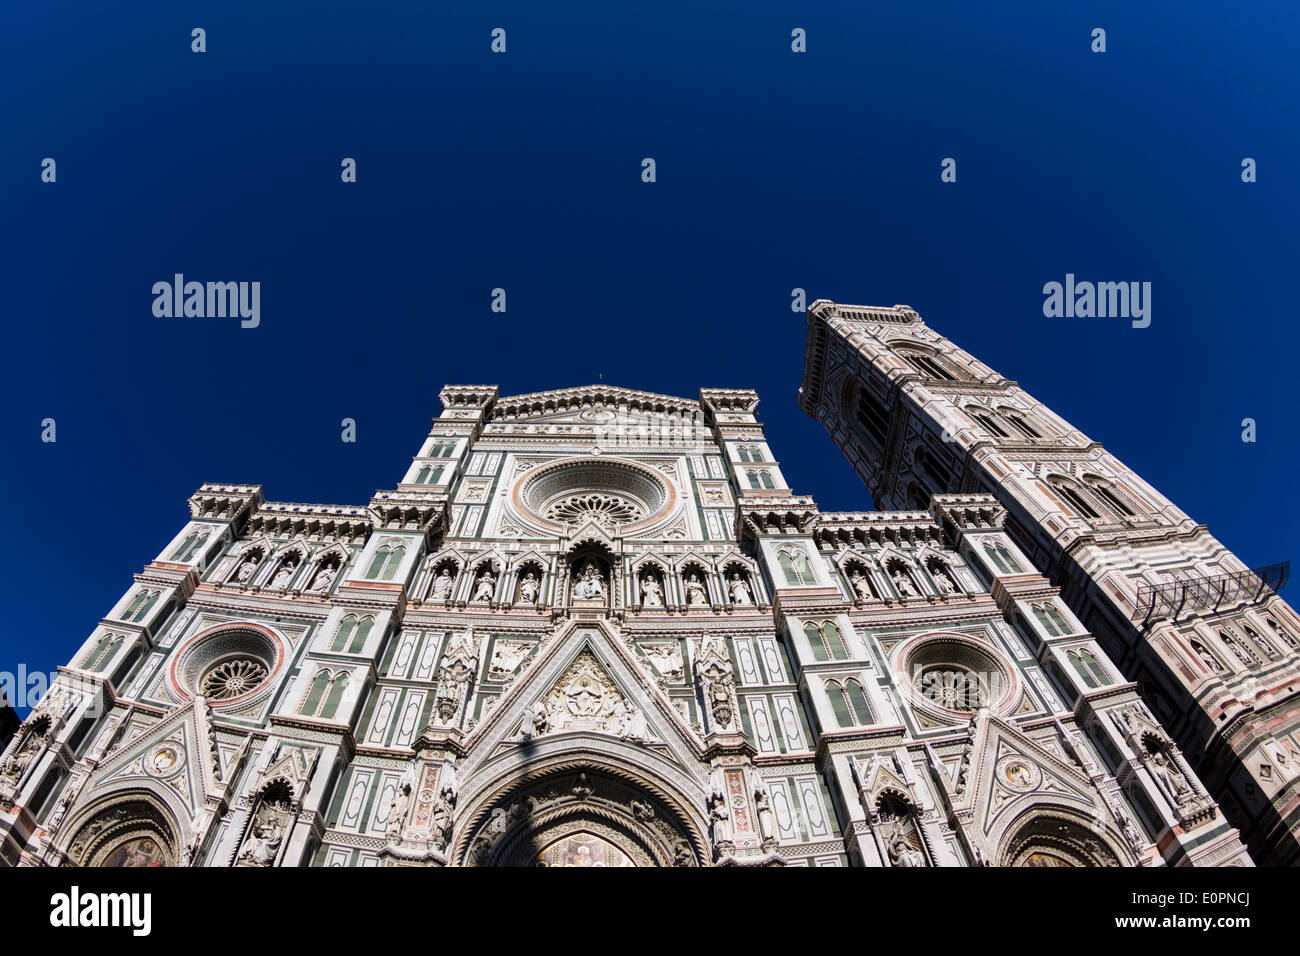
[[522, 170]]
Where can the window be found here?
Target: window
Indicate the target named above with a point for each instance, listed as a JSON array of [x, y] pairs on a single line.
[[1001, 558], [1051, 620], [324, 695], [826, 641], [102, 652], [1022, 426], [386, 562], [849, 703], [135, 606], [938, 475], [928, 366], [1044, 621], [1076, 660], [751, 453], [759, 479], [796, 568], [1113, 500], [1075, 500], [988, 423], [871, 414], [189, 547], [314, 694], [351, 635], [423, 476]]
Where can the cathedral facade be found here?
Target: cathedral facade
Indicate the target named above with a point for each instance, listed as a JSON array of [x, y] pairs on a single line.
[[595, 627]]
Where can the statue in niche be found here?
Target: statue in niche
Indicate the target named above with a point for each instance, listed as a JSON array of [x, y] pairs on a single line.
[[1209, 659], [652, 595], [485, 586], [442, 585], [763, 809], [591, 585], [902, 853], [397, 808], [719, 816], [324, 578], [1170, 776], [1259, 641], [740, 594], [1237, 652], [903, 581], [529, 588], [538, 721], [861, 586], [943, 579], [696, 595], [264, 839], [634, 724], [283, 574], [246, 569], [443, 809]]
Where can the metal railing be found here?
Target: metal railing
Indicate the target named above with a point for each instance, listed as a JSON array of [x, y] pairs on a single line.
[[1198, 592]]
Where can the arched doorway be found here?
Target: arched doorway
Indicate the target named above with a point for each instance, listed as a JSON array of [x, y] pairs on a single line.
[[130, 833], [1048, 840], [585, 816]]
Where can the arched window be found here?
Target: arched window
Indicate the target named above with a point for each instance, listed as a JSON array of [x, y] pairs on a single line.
[[988, 423], [1044, 621], [436, 476], [448, 449], [359, 637], [101, 652], [839, 704], [194, 548], [753, 478], [996, 557], [756, 453], [338, 685], [1012, 565], [314, 694], [344, 634], [1075, 500], [1055, 616], [872, 415], [135, 605], [796, 568], [766, 478], [423, 476], [386, 562], [1020, 425], [939, 476], [816, 641], [834, 641], [1113, 500], [1076, 659], [858, 702], [179, 553], [928, 366]]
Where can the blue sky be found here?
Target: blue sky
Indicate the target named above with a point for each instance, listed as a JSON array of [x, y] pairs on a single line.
[[522, 171]]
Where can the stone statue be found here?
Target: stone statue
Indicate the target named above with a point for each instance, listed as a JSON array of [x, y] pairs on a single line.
[[902, 853], [591, 586], [904, 583], [634, 724], [283, 574], [246, 569], [263, 843], [1209, 659], [539, 720], [485, 587], [397, 810], [740, 595], [324, 578], [696, 595], [1170, 776], [763, 810], [719, 820], [442, 585], [652, 595], [943, 580], [443, 809], [529, 588], [861, 585]]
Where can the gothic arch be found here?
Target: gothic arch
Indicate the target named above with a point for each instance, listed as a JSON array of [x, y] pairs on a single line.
[[1056, 835], [127, 821], [583, 789]]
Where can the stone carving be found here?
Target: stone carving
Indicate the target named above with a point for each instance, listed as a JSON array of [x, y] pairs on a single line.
[[529, 588], [506, 658], [740, 594], [696, 595], [652, 595], [266, 833], [902, 853], [459, 665], [717, 683], [585, 698], [1167, 773], [666, 658], [284, 572], [861, 586], [324, 578], [246, 568], [763, 810], [398, 806], [442, 585], [444, 808], [719, 816], [590, 586], [943, 579], [485, 586], [903, 581]]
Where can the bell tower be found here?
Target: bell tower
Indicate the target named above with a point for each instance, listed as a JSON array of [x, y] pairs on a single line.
[[1214, 650]]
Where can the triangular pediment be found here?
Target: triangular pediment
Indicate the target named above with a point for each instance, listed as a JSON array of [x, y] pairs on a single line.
[[1009, 771], [585, 679], [178, 752]]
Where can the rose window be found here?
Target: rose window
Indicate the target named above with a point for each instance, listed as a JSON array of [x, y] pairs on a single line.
[[232, 678], [957, 674], [610, 511]]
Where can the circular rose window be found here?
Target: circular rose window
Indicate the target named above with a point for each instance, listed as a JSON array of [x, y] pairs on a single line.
[[956, 674], [618, 495], [227, 663]]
